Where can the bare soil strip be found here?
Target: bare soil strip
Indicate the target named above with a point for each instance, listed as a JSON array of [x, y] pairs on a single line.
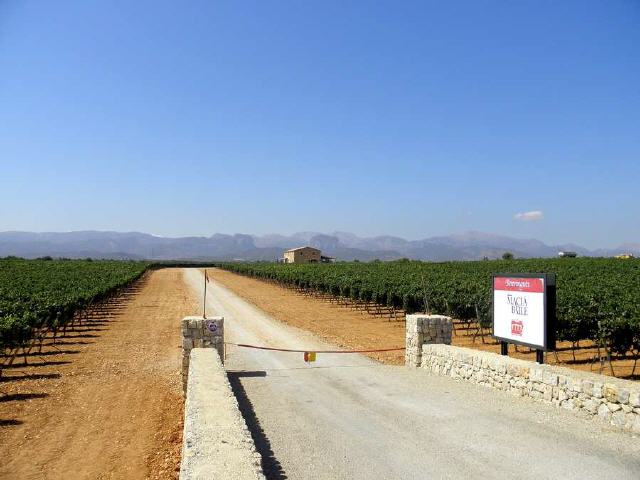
[[357, 329], [105, 400]]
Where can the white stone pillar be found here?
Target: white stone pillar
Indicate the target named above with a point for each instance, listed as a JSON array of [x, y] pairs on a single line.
[[198, 332], [421, 329]]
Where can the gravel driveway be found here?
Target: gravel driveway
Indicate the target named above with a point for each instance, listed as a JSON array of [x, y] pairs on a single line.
[[346, 416]]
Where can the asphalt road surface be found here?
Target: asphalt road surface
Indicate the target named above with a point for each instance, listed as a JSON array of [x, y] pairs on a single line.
[[346, 416]]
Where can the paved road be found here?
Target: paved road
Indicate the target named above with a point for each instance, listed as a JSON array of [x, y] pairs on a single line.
[[348, 417]]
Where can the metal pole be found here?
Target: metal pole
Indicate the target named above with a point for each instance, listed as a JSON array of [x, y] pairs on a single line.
[[204, 297], [504, 348], [540, 356]]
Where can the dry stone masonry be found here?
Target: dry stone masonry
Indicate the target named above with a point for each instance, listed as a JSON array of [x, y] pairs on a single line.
[[425, 329], [198, 332], [614, 400]]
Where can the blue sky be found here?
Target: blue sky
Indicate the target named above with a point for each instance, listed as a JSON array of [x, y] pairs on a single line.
[[406, 118]]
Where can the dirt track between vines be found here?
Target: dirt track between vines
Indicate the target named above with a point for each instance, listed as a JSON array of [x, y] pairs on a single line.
[[109, 405], [340, 325]]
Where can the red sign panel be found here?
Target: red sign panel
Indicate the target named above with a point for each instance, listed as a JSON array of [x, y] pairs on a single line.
[[532, 285]]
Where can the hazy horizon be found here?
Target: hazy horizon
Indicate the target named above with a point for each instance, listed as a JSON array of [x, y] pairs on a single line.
[[461, 234], [609, 245]]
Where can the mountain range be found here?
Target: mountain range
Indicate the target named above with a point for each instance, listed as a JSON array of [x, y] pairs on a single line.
[[341, 245]]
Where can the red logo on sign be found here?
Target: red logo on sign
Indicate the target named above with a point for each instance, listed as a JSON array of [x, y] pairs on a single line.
[[516, 327]]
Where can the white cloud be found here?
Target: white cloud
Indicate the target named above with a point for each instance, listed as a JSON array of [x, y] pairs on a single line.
[[532, 216]]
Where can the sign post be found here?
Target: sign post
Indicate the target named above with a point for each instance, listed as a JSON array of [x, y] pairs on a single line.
[[204, 296], [524, 311]]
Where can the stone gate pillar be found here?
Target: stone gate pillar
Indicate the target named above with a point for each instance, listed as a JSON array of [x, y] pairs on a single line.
[[198, 332], [421, 329]]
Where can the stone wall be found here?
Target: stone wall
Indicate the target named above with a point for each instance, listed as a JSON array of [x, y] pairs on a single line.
[[614, 400], [216, 441], [421, 329], [198, 332]]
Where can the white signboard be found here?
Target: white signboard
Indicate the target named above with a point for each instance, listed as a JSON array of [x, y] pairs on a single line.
[[520, 310]]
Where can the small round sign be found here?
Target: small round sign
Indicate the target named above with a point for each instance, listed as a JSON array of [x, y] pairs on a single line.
[[212, 327]]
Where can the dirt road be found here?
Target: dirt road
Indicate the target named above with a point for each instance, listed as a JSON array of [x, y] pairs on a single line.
[[105, 402], [336, 324], [347, 416]]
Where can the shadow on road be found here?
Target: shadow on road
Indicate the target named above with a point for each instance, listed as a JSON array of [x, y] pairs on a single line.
[[270, 464], [247, 374]]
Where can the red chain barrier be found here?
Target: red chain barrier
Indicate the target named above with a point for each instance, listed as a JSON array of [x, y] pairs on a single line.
[[257, 347]]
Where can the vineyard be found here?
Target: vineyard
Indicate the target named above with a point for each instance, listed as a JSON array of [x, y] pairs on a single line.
[[38, 297], [598, 299]]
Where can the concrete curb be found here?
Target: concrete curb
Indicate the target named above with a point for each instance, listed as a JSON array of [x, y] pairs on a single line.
[[216, 441]]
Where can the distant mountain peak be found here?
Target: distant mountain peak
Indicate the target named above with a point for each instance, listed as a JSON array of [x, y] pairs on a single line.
[[467, 245]]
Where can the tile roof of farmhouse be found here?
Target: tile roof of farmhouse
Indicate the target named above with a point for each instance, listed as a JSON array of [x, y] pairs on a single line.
[[301, 248]]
